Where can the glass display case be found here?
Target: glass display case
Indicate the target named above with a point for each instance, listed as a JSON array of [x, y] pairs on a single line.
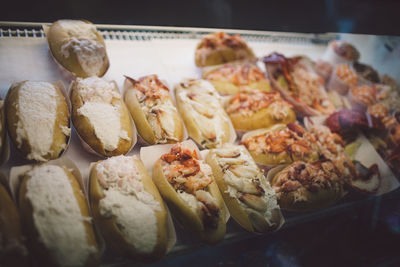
[[353, 227]]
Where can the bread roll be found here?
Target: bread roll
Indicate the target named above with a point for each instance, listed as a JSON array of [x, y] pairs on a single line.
[[56, 218], [246, 192], [78, 47], [150, 103], [187, 184], [234, 77], [128, 208], [307, 186], [37, 119], [256, 109], [200, 107], [100, 116], [217, 48], [13, 251]]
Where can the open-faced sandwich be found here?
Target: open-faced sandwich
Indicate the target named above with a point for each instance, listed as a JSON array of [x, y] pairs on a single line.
[[78, 47], [218, 48], [299, 84], [200, 107], [247, 194], [150, 103], [187, 184], [233, 77], [100, 116], [256, 109], [304, 186], [38, 119], [127, 208], [281, 144], [56, 217]]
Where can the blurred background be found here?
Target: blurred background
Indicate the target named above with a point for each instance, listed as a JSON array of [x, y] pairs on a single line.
[[317, 16]]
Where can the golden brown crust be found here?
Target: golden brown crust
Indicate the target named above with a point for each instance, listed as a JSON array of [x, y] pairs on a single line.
[[58, 36], [36, 246], [60, 139], [218, 48], [86, 130], [13, 251], [113, 235], [256, 109], [154, 91], [231, 78]]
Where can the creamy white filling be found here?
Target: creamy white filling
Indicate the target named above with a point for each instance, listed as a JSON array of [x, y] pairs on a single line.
[[205, 110], [57, 215], [90, 53], [37, 111], [65, 130], [190, 200], [106, 122], [161, 120], [239, 174], [95, 89], [126, 200]]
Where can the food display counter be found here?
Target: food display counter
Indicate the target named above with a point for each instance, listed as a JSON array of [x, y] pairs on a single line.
[[169, 52]]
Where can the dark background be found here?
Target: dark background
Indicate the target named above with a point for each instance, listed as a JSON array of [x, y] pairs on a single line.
[[354, 16]]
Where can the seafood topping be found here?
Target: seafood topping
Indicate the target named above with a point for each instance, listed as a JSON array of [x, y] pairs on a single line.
[[313, 176], [155, 101], [245, 181], [222, 39], [346, 75], [239, 74], [364, 95], [293, 139], [254, 101], [190, 177]]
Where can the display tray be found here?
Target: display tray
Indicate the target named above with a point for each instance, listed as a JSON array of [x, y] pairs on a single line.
[[136, 51]]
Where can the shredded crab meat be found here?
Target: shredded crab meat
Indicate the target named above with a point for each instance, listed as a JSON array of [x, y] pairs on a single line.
[[254, 101], [311, 176], [364, 95], [238, 74], [189, 175], [346, 75], [292, 139], [221, 39], [155, 101], [331, 146], [309, 89]]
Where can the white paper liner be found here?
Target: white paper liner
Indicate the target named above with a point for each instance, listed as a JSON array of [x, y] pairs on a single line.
[[85, 145], [60, 86], [170, 225], [15, 181], [149, 155], [129, 86]]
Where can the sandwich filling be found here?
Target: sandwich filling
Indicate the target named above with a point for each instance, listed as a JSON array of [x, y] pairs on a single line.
[[238, 74], [126, 200], [301, 177], [202, 105], [253, 101], [155, 100], [83, 42], [245, 181], [37, 112], [57, 216], [291, 139], [190, 177], [102, 106]]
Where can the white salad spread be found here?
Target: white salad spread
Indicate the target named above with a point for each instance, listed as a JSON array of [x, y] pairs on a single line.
[[57, 215]]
